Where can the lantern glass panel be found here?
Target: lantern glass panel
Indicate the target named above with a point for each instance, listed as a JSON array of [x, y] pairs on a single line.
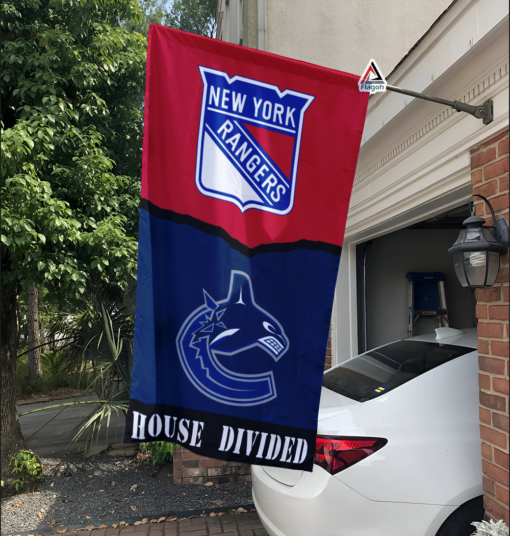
[[489, 236], [474, 235], [458, 264], [493, 269], [475, 264], [461, 237]]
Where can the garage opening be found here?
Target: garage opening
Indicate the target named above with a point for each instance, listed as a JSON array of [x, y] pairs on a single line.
[[382, 286]]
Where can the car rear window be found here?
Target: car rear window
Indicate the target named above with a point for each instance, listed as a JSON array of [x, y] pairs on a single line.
[[369, 375]]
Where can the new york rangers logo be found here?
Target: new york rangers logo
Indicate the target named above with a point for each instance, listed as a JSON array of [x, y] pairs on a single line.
[[219, 329], [248, 144]]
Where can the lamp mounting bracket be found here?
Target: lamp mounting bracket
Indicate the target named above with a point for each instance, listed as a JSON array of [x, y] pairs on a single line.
[[499, 228], [483, 111]]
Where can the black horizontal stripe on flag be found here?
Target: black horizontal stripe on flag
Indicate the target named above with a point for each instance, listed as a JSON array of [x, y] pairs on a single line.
[[214, 230], [222, 437]]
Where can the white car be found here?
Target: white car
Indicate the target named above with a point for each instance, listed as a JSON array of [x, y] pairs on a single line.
[[398, 447]]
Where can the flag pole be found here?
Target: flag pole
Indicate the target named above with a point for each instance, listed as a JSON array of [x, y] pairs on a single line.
[[484, 111]]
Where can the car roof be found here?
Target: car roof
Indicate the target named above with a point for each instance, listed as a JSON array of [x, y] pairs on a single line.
[[465, 337]]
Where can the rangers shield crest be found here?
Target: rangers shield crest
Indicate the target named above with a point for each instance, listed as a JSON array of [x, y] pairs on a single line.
[[247, 169], [248, 148]]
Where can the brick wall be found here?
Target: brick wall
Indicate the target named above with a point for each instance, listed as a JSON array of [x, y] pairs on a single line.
[[191, 468], [489, 176]]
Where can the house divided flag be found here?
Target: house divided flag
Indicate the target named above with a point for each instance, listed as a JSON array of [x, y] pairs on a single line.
[[248, 166]]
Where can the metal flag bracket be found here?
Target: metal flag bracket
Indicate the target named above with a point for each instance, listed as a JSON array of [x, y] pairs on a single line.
[[484, 111]]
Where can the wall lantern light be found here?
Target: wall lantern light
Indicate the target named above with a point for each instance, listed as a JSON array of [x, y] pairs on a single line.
[[478, 248]]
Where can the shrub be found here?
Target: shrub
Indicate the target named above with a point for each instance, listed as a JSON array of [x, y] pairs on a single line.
[[26, 468], [161, 451]]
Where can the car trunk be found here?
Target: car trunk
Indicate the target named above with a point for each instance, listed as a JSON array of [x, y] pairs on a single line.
[[331, 404]]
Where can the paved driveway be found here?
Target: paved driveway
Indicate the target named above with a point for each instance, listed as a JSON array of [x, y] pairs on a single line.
[[229, 525], [50, 432]]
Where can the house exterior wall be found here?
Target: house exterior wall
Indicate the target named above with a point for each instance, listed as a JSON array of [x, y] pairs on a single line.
[[346, 34], [489, 177], [414, 161]]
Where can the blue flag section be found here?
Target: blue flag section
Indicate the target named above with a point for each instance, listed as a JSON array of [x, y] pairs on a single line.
[[248, 165]]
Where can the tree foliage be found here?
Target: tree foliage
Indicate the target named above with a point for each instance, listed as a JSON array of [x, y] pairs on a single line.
[[195, 16], [72, 86]]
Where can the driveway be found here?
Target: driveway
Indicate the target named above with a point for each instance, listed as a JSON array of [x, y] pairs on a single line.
[[51, 431]]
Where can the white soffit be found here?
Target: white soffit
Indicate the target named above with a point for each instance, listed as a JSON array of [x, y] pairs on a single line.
[[413, 150]]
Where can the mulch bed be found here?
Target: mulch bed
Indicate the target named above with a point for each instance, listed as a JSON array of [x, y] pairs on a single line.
[[78, 490]]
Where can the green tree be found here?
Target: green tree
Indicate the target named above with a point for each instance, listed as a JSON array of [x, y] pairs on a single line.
[[152, 12], [195, 16], [72, 120]]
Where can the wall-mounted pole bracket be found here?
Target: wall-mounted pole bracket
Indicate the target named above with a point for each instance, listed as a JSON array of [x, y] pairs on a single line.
[[483, 111]]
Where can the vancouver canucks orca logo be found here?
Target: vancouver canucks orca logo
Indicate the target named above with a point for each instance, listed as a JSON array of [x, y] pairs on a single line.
[[228, 327], [249, 140]]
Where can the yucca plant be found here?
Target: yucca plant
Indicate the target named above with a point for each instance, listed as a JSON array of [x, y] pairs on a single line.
[[99, 343], [110, 369]]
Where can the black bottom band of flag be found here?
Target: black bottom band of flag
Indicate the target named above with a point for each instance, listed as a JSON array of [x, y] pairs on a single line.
[[220, 436]]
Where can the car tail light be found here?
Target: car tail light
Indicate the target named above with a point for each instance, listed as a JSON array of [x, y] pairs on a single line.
[[334, 454]]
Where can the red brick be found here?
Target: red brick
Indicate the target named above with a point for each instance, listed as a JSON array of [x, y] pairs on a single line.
[[501, 458], [506, 293], [499, 348], [188, 455], [495, 170], [484, 382], [209, 462], [193, 471], [483, 157], [483, 346], [500, 421], [503, 184], [502, 276], [190, 463], [491, 294], [500, 385], [487, 451], [495, 473], [488, 485], [497, 312], [486, 189], [485, 416], [500, 203], [493, 436], [490, 330], [481, 312], [493, 401], [193, 531], [495, 509], [476, 177], [492, 141], [503, 147], [502, 494], [490, 364]]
